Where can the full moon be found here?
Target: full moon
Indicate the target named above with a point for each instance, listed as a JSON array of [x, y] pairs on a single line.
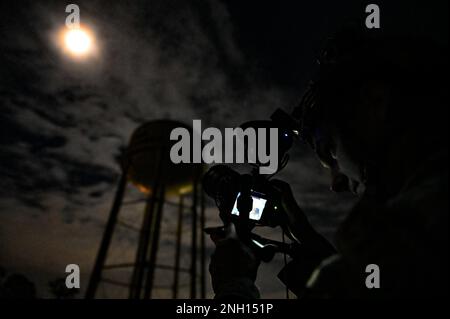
[[78, 41]]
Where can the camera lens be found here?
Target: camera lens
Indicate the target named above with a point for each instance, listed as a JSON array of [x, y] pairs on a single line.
[[219, 181]]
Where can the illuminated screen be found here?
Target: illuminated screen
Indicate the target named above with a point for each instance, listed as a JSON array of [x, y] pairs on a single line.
[[257, 207]]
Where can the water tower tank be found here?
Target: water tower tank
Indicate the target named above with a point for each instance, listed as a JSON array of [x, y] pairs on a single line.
[[147, 145]]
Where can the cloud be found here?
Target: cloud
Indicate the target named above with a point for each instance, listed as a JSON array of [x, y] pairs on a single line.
[[64, 123]]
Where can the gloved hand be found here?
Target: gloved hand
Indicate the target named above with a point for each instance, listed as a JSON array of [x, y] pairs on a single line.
[[233, 267], [297, 222], [313, 247], [295, 218]]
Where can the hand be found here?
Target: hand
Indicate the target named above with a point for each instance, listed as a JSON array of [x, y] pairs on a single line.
[[296, 219], [233, 266], [298, 224]]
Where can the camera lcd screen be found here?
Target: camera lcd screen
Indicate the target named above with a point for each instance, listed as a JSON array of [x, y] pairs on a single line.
[[257, 209]]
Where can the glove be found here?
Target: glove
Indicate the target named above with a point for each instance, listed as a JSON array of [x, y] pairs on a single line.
[[295, 219], [233, 267], [298, 224], [313, 248]]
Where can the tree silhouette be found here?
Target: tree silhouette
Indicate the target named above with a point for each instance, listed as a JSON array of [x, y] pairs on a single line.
[[59, 289]]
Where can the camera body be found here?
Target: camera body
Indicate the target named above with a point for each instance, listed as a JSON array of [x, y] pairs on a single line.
[[250, 199], [247, 199]]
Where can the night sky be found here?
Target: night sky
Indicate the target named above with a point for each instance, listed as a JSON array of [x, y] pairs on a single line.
[[64, 122]]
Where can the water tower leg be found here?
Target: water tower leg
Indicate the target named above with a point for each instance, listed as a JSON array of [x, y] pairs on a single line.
[[178, 247], [202, 246], [154, 243], [139, 265], [141, 254], [193, 293], [106, 240]]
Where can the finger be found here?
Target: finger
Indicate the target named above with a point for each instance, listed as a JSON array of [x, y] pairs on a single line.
[[227, 232], [230, 231], [281, 186], [216, 234]]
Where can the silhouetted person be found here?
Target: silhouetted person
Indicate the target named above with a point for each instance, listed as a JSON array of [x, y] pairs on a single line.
[[376, 118]]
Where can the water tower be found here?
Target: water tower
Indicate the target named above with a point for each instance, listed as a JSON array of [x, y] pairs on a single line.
[[146, 165]]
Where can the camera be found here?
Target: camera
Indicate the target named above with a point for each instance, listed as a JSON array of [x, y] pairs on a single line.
[[250, 200], [243, 198], [247, 201]]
